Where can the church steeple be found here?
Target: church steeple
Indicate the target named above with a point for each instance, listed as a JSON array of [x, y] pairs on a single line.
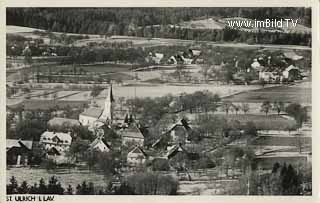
[[107, 113]]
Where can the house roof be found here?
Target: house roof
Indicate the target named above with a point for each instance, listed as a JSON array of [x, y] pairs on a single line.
[[63, 121], [292, 55], [195, 52], [132, 131], [174, 149], [137, 150], [97, 141], [94, 112], [291, 67], [61, 136], [18, 143], [53, 151]]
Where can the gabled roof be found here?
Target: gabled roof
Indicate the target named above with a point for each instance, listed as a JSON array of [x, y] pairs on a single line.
[[292, 55], [97, 141], [53, 151], [291, 67], [132, 131], [93, 112], [18, 143], [63, 121], [174, 149], [137, 150]]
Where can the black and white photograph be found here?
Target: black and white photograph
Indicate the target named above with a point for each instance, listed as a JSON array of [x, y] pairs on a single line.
[[201, 101]]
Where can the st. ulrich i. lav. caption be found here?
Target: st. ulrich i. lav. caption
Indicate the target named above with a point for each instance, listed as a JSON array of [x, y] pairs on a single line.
[[30, 198]]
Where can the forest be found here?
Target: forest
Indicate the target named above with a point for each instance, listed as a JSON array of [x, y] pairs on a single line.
[[157, 22]]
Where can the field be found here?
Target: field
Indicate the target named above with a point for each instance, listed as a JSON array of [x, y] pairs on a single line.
[[64, 176], [40, 104], [262, 122], [98, 68], [300, 93], [202, 24]]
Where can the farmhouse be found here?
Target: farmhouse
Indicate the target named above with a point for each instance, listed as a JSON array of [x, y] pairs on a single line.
[[131, 135], [18, 151], [136, 156], [94, 117]]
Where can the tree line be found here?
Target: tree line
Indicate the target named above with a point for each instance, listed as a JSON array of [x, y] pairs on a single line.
[[137, 184]]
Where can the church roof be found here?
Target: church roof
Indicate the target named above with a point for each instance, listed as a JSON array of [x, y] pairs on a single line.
[[94, 112]]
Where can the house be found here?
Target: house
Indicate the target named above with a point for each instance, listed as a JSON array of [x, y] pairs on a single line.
[[94, 116], [136, 156], [61, 141], [56, 145], [99, 144], [132, 134], [173, 60], [194, 52], [291, 73], [180, 158], [175, 134], [269, 76], [18, 151], [155, 57], [255, 64], [186, 61], [63, 122]]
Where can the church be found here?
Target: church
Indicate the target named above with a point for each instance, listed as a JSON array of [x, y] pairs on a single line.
[[94, 117]]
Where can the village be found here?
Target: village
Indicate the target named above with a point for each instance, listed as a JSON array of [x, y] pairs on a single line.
[[135, 115]]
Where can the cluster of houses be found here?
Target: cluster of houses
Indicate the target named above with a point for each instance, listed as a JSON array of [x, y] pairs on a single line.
[[191, 56], [271, 74], [56, 145]]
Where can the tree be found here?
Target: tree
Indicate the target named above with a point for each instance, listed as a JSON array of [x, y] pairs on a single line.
[[96, 91], [265, 107], [70, 190], [121, 101], [12, 188], [237, 108], [245, 107], [299, 113], [278, 106], [226, 106], [250, 129], [24, 188]]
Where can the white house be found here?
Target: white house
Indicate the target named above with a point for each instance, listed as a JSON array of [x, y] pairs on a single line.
[[136, 156], [94, 117], [255, 64], [56, 145], [61, 141]]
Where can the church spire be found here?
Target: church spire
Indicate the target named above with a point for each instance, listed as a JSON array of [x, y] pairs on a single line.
[[107, 113]]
